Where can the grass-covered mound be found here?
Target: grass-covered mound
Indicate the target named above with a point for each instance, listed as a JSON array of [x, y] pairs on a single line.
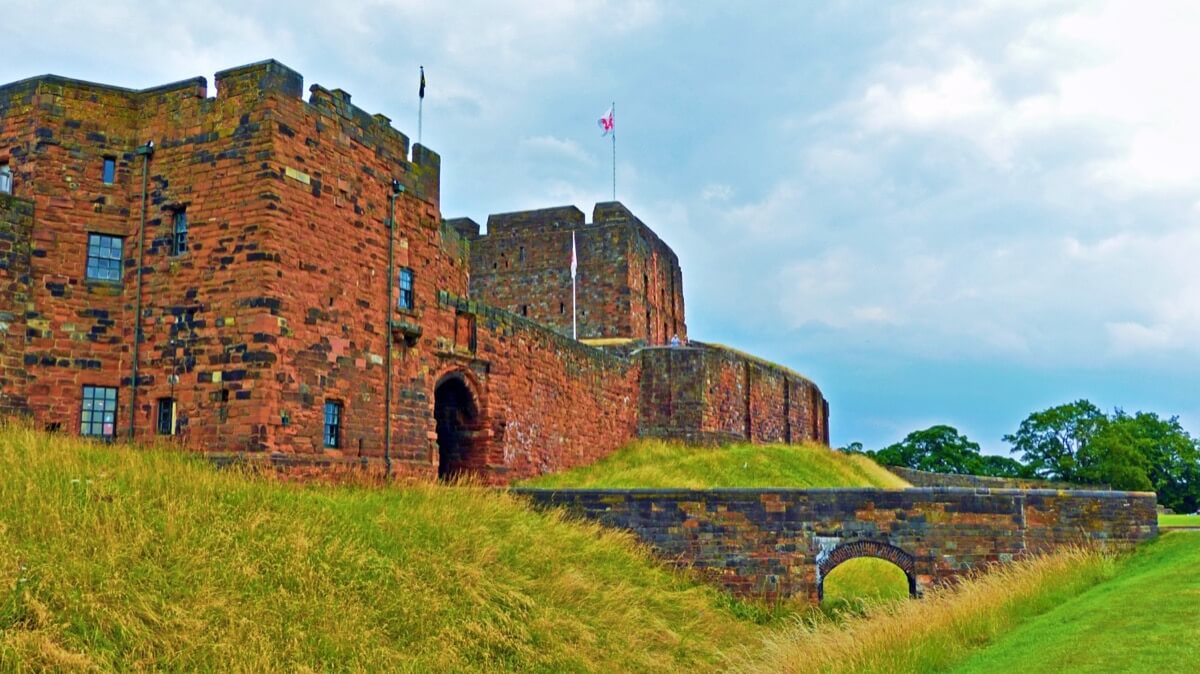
[[114, 558], [1146, 619], [656, 464]]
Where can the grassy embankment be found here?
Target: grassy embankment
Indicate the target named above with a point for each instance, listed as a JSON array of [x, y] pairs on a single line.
[[1170, 521], [654, 464], [112, 558]]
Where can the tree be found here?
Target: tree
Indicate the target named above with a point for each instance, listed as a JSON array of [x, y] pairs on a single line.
[[1170, 457], [938, 449], [1050, 441], [1115, 456], [1003, 466]]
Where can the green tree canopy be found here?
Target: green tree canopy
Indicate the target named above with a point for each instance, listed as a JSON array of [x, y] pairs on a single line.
[[938, 449], [1050, 441]]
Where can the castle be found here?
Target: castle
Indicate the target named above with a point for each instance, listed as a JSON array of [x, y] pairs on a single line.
[[270, 279]]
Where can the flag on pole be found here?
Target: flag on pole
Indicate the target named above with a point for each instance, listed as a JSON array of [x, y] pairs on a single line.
[[607, 123], [574, 260], [422, 92]]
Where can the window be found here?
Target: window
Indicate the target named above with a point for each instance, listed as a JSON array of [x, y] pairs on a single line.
[[166, 416], [98, 418], [333, 424], [562, 307], [521, 257], [110, 170], [5, 178], [179, 236], [406, 289], [104, 257], [524, 309]]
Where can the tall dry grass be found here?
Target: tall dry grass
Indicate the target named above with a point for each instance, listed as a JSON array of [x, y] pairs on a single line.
[[119, 559], [933, 633]]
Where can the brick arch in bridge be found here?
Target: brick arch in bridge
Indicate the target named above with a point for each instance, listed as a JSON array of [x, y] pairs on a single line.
[[830, 559], [461, 423]]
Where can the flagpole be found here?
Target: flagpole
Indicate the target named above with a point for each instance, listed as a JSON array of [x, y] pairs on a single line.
[[614, 144], [574, 263]]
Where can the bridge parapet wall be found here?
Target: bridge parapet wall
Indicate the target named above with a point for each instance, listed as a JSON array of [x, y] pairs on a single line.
[[778, 543]]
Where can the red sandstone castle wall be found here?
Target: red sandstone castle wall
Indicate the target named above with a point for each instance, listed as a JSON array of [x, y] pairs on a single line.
[[708, 394], [209, 152], [16, 225], [629, 283], [279, 304], [552, 403]]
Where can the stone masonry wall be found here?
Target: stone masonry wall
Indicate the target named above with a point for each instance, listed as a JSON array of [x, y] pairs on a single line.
[[550, 403], [629, 283], [778, 543], [713, 395], [16, 226], [922, 478]]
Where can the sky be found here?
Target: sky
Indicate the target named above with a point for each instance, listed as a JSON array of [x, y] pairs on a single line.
[[941, 212]]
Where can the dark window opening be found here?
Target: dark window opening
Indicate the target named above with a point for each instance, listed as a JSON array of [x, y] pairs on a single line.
[[524, 309], [166, 416], [562, 307], [521, 254], [98, 416], [333, 424], [110, 170], [54, 427], [179, 237], [406, 300], [104, 257]]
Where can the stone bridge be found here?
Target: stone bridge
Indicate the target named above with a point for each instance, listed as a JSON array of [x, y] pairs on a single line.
[[777, 543]]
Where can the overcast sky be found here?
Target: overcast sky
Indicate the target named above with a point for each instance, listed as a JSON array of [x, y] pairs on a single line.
[[941, 215]]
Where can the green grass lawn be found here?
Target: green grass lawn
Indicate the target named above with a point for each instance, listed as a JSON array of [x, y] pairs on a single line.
[[665, 465], [1146, 619], [1167, 521]]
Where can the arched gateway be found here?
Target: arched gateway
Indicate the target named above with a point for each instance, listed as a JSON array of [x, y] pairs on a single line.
[[460, 428], [830, 558]]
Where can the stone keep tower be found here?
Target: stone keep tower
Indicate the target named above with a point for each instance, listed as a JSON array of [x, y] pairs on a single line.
[[629, 284]]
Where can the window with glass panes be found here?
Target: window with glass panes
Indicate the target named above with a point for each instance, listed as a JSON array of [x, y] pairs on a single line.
[[179, 239], [98, 418], [333, 423], [104, 257], [406, 289], [110, 170], [166, 416]]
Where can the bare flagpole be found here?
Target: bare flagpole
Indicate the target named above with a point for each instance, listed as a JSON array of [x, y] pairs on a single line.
[[614, 144], [574, 314]]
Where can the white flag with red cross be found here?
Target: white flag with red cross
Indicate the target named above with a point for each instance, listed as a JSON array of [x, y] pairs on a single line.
[[608, 123]]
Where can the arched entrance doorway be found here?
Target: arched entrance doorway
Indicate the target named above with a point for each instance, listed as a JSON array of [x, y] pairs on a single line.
[[459, 426], [831, 559]]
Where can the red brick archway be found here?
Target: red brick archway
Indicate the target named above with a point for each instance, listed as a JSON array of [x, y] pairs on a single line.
[[844, 552], [461, 427]]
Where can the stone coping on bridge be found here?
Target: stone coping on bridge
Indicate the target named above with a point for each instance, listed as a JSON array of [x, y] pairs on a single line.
[[679, 491]]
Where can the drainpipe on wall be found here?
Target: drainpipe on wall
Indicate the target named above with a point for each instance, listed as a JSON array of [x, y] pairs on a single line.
[[146, 151], [397, 189]]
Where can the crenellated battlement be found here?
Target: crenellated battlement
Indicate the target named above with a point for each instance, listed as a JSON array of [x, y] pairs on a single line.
[[129, 115]]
